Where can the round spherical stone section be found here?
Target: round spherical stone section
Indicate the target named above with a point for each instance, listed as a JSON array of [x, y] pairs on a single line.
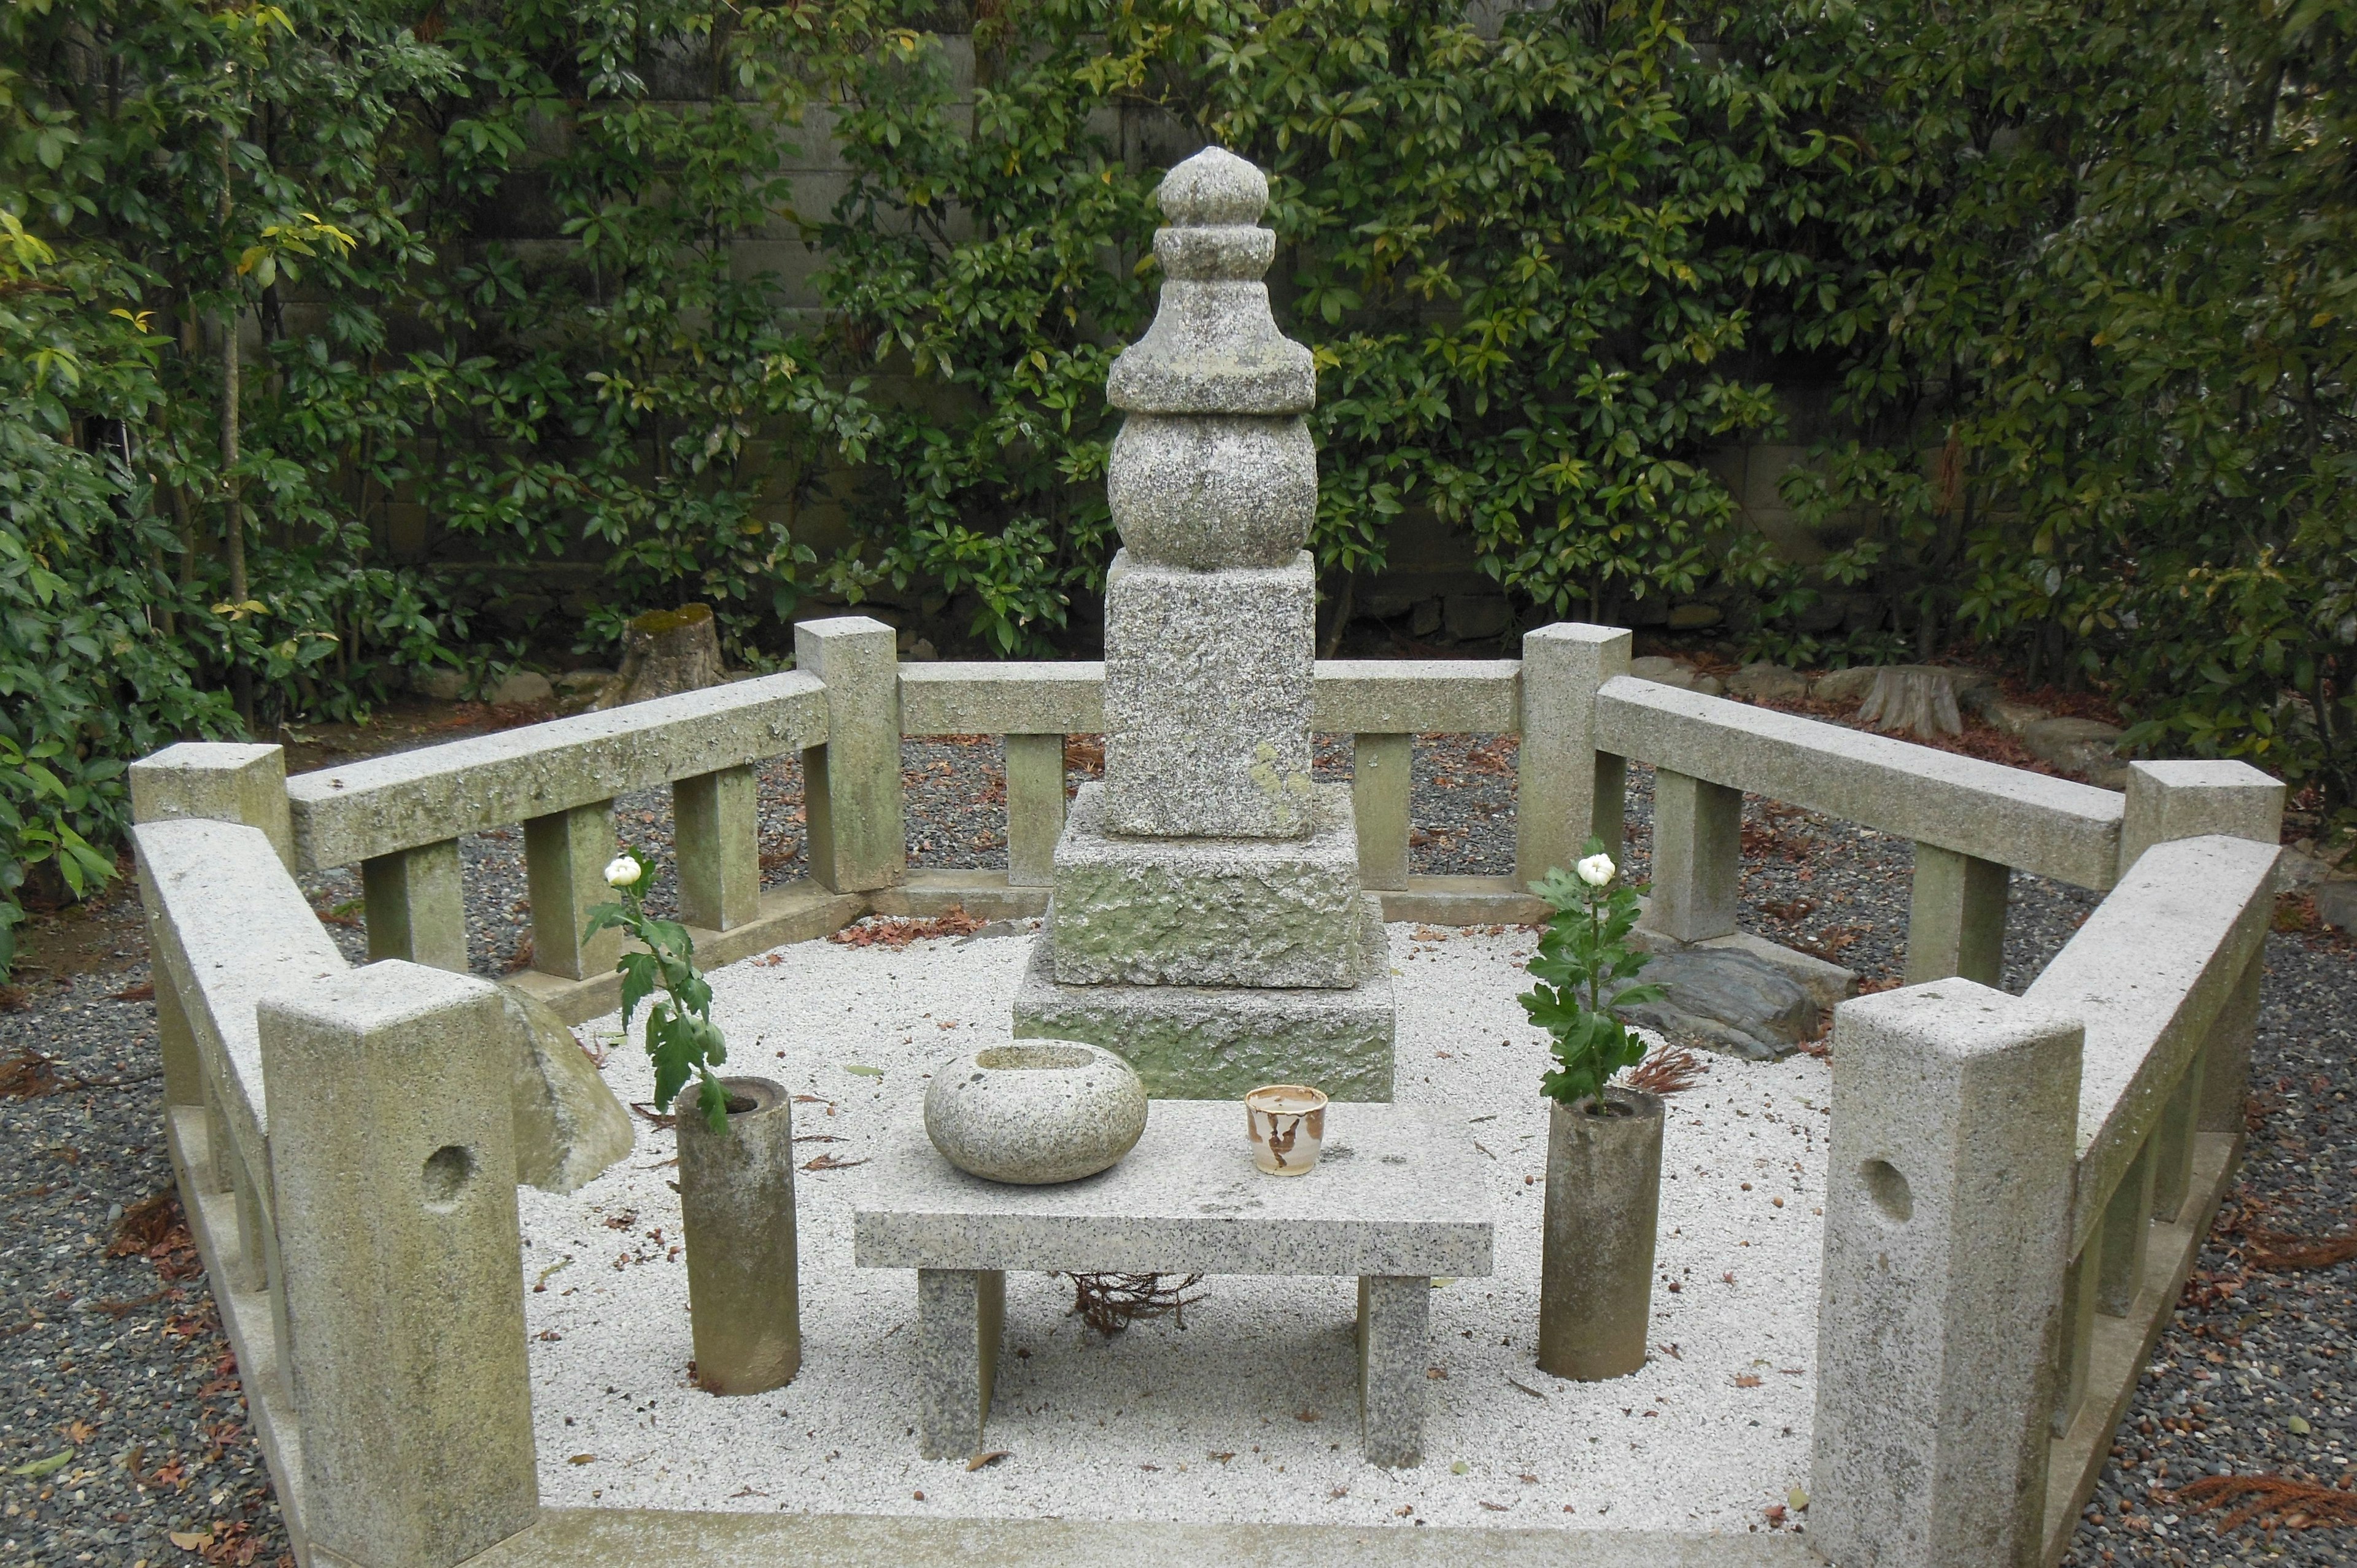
[[1211, 490], [1035, 1111]]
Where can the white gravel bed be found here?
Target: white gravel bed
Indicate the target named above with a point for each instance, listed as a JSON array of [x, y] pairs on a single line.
[[1248, 1413]]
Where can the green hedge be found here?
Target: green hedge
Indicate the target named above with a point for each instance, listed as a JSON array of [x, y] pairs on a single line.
[[2078, 277]]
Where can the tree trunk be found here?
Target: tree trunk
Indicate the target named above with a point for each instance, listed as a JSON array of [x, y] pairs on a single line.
[[666, 651]]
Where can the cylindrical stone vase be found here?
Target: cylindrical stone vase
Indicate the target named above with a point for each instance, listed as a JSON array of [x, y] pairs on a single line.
[[1603, 1198], [736, 1216]]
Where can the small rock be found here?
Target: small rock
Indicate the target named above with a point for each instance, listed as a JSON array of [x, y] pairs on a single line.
[[1843, 685], [574, 682], [1425, 618], [1729, 1002], [1662, 671], [1694, 617], [441, 683], [2012, 717], [1768, 684], [1470, 617], [2336, 903], [1707, 686], [2088, 748], [922, 651], [568, 1124], [2297, 868], [524, 686]]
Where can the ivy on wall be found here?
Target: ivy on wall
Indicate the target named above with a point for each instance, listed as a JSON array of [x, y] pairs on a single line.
[[286, 285]]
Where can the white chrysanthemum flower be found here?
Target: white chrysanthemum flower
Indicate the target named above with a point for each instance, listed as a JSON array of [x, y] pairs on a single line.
[[1597, 870], [621, 871]]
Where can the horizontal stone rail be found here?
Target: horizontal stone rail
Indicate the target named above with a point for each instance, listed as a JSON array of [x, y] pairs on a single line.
[[367, 809], [2150, 972], [229, 928], [2008, 816]]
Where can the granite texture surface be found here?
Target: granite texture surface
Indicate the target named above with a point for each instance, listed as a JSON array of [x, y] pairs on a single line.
[[1947, 1206], [1035, 1111], [1211, 490], [1213, 346], [1189, 1041], [1398, 1191], [1207, 698], [961, 1320], [1210, 911], [1394, 1333]]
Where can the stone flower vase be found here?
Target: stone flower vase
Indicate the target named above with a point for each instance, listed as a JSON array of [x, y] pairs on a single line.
[[1603, 1197], [737, 1215]]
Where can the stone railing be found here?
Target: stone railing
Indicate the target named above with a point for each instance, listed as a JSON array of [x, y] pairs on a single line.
[[2018, 1186]]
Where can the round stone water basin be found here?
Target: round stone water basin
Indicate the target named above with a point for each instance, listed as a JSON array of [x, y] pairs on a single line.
[[1035, 1111]]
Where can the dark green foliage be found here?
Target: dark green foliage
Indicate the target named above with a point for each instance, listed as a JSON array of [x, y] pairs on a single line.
[[1581, 972], [2065, 292]]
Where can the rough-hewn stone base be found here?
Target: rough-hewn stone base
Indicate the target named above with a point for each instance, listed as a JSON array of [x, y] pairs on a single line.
[[1218, 1043], [1208, 911]]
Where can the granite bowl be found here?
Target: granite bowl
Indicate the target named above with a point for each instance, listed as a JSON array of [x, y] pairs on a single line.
[[1035, 1111]]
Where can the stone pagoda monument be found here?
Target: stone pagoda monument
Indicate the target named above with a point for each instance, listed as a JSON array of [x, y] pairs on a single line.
[[1206, 919]]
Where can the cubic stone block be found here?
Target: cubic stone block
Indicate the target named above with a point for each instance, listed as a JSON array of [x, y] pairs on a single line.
[[1221, 1042], [1948, 1199], [1206, 695], [1207, 912]]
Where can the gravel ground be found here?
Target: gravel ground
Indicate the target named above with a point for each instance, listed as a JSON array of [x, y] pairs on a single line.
[[117, 1362], [1245, 1412]]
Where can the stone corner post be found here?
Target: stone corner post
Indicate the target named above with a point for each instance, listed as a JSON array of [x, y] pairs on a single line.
[[394, 1167], [1567, 790], [2188, 799], [2170, 801], [222, 781], [1947, 1234], [850, 786]]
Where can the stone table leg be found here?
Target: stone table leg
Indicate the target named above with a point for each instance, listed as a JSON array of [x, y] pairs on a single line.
[[1394, 1315], [959, 1314]]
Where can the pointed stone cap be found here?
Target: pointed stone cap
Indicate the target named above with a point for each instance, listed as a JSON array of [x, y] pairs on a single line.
[[1213, 346]]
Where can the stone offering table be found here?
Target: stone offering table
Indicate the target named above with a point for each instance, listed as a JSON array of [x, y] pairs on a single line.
[[1396, 1199]]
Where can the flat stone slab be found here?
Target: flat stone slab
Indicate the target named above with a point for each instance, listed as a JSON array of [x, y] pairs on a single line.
[[1212, 1042], [1395, 1199], [1398, 1191], [1210, 911]]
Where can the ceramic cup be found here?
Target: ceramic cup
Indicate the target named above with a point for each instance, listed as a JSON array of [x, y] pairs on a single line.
[[1287, 1122]]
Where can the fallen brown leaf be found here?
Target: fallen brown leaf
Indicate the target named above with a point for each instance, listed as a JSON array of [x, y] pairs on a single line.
[[993, 1457]]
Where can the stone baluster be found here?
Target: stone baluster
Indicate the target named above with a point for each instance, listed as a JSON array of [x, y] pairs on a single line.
[[416, 903], [1947, 1209], [401, 1247], [850, 786], [1567, 792], [1380, 769], [565, 857], [1035, 808], [716, 820], [1955, 916], [1697, 857]]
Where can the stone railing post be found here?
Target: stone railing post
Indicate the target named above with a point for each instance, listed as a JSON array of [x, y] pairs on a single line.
[[1697, 857], [1955, 916], [565, 858], [1947, 1221], [394, 1172], [716, 827], [850, 786], [2188, 799], [416, 904], [217, 781], [1380, 769], [220, 781], [1567, 791], [1035, 808]]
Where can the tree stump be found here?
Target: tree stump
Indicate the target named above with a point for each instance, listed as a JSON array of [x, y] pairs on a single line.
[[1921, 698], [666, 651]]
